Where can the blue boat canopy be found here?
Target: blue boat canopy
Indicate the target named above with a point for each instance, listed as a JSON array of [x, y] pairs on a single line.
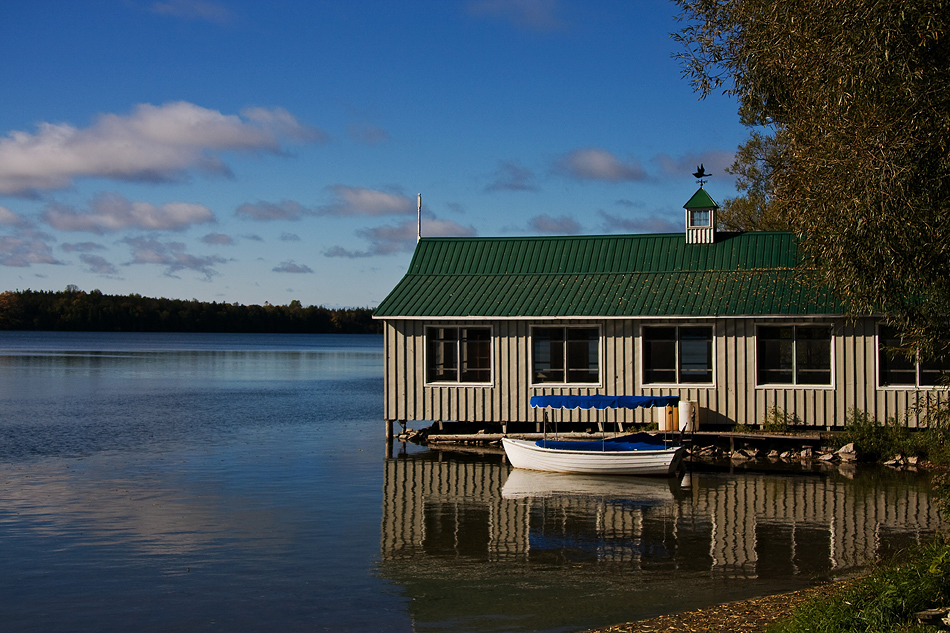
[[603, 402]]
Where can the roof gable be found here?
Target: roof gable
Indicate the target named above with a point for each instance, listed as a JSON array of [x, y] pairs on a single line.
[[701, 200]]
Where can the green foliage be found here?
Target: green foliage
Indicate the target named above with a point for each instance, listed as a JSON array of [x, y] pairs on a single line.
[[75, 310], [873, 440], [856, 92], [756, 160], [876, 441], [883, 601], [775, 421]]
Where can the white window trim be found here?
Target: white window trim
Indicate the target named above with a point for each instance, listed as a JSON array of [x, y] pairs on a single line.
[[574, 385], [447, 383], [786, 386], [677, 385]]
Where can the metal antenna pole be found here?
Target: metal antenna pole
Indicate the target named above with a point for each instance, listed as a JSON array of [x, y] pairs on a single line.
[[419, 219]]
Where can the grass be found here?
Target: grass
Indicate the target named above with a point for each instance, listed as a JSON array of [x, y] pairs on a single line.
[[884, 601]]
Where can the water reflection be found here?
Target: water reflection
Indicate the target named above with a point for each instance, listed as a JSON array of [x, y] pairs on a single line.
[[455, 526]]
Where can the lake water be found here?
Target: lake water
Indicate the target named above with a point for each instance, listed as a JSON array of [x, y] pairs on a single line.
[[195, 482]]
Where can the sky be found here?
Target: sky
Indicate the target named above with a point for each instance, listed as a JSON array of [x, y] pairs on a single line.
[[250, 152]]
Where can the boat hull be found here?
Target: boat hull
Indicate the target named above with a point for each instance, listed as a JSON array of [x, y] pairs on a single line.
[[525, 454]]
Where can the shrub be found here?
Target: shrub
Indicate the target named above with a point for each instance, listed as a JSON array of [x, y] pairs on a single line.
[[875, 441], [775, 421], [885, 600]]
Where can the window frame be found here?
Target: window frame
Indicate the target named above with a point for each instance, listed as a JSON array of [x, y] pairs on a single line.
[[677, 346], [878, 373], [427, 367], [695, 214], [600, 356], [795, 384]]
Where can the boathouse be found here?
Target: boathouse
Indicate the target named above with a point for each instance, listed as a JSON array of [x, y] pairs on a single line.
[[479, 325]]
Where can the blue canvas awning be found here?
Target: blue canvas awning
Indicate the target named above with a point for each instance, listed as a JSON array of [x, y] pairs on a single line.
[[603, 402]]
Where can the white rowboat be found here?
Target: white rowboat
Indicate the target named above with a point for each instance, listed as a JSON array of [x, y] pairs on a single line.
[[639, 454], [525, 454]]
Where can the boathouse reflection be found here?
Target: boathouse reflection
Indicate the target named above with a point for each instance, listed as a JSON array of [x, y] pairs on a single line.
[[444, 505]]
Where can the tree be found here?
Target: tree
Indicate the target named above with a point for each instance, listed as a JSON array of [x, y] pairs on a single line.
[[859, 93], [755, 162]]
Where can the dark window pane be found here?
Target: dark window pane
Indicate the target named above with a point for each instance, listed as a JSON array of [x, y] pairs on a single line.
[[695, 354], [475, 347], [894, 368], [548, 355], [583, 355], [935, 372], [442, 355], [659, 355], [813, 355], [776, 355]]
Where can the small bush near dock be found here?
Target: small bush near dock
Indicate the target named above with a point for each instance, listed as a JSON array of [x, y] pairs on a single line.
[[886, 600], [878, 442]]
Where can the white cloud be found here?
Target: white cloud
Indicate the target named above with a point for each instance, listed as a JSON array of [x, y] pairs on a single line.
[[111, 212], [359, 201], [218, 238], [9, 218], [592, 163], [401, 238], [98, 265], [153, 143], [563, 225], [292, 267], [21, 251], [649, 224], [270, 211], [714, 161], [82, 247], [172, 255], [512, 177], [537, 15]]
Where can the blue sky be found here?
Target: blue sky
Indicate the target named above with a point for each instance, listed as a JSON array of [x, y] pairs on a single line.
[[242, 151]]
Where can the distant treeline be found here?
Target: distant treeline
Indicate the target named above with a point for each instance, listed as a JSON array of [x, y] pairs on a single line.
[[75, 310]]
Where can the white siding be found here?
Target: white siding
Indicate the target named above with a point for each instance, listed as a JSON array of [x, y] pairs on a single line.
[[732, 399]]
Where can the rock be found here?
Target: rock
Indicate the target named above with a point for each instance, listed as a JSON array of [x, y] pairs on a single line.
[[848, 453], [912, 461], [773, 454], [806, 452], [827, 457], [932, 617]]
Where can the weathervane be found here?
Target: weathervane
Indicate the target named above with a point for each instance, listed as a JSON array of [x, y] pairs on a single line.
[[701, 175]]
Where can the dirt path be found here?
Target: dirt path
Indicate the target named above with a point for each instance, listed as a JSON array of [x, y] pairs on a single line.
[[747, 616]]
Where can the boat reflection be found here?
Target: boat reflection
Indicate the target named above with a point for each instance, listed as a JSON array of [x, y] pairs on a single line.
[[524, 484], [457, 525]]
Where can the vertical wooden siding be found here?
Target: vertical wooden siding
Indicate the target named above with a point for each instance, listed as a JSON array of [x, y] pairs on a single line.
[[732, 399]]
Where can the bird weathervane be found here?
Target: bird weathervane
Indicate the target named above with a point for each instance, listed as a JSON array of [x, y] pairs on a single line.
[[701, 175]]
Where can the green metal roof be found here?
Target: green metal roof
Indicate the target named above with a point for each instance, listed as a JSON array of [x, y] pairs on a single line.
[[701, 200], [605, 276]]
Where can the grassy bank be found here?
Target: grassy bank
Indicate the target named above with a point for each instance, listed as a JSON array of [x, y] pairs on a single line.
[[884, 601]]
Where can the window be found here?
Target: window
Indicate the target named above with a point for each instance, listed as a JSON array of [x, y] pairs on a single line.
[[898, 370], [677, 354], [699, 218], [794, 355], [565, 355], [458, 354]]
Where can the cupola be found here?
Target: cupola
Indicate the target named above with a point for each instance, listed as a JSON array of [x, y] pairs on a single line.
[[701, 214]]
